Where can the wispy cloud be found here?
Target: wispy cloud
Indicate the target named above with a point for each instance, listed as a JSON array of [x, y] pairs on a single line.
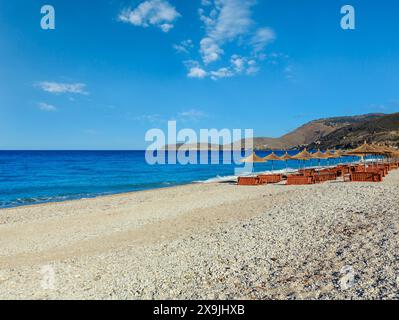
[[289, 72], [191, 115], [261, 38], [222, 73], [197, 72], [158, 13], [57, 87], [46, 107], [184, 46], [224, 22], [148, 118], [229, 23], [184, 116]]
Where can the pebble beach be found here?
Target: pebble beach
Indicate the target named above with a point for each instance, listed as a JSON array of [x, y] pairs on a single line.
[[334, 240]]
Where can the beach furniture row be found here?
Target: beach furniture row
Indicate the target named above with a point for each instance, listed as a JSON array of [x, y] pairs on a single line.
[[373, 172]]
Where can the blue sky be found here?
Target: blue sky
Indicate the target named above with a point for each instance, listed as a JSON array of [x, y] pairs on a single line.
[[114, 69]]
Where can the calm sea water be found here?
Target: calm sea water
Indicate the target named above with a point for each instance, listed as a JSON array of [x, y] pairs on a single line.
[[29, 177]]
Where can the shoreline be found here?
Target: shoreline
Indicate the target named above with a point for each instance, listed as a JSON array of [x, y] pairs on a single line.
[[264, 242], [217, 179], [94, 197]]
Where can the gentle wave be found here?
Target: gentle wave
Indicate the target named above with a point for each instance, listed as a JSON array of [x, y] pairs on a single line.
[[32, 177]]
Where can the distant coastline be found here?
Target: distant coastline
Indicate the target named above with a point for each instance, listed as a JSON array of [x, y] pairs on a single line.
[[327, 133]]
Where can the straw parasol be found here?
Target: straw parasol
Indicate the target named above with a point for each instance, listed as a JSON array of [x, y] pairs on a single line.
[[319, 155], [365, 149], [303, 155], [285, 158], [339, 153], [386, 150], [272, 157], [253, 158]]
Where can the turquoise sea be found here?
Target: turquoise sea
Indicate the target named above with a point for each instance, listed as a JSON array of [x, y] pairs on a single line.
[[30, 177]]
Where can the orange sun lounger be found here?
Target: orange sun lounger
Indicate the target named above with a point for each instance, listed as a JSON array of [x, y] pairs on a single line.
[[366, 177], [270, 178], [325, 176], [299, 180], [248, 181]]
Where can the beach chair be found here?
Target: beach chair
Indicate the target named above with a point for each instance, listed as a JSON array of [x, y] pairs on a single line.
[[307, 172], [270, 178], [325, 176], [248, 181], [366, 177], [299, 180], [380, 170], [344, 169]]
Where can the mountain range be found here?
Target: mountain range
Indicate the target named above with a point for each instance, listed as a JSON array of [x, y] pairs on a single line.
[[335, 132]]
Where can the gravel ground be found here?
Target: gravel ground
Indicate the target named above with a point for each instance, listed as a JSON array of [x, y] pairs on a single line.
[[217, 241]]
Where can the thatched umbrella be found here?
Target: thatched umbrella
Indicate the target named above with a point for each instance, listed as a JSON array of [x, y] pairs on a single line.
[[303, 155], [330, 155], [386, 152], [272, 157], [319, 155], [364, 150], [339, 154], [253, 158], [285, 158]]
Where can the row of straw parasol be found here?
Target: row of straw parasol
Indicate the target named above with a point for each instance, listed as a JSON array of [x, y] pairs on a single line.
[[362, 151]]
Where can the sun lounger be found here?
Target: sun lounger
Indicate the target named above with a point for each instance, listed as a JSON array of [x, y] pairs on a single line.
[[381, 170], [366, 177], [325, 176], [299, 180], [248, 181], [270, 178], [344, 169], [307, 172]]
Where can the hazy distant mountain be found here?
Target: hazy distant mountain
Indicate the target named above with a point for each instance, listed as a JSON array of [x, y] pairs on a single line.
[[309, 133], [341, 132], [383, 129]]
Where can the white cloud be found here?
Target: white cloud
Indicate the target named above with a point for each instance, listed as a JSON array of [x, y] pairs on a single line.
[[187, 115], [197, 72], [228, 20], [159, 13], [191, 115], [289, 72], [206, 2], [261, 38], [228, 25], [46, 107], [149, 118], [166, 27], [56, 87], [221, 73], [252, 67], [238, 63], [184, 46], [210, 50]]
